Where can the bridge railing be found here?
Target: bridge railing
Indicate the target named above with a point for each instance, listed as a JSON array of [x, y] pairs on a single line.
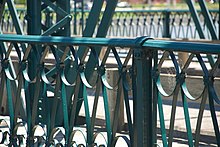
[[46, 103], [131, 23]]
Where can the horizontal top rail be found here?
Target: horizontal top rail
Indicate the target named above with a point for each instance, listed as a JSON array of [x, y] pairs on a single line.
[[135, 42], [70, 80], [86, 41], [194, 47]]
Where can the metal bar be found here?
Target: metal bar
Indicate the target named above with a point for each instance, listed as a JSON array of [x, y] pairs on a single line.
[[102, 30], [65, 5], [156, 101], [92, 19], [65, 113], [86, 41], [2, 8], [19, 30], [143, 103], [166, 24], [143, 99], [89, 30], [58, 25], [208, 19], [187, 119], [179, 46], [75, 18], [4, 48], [200, 115], [195, 17], [34, 17], [162, 120], [34, 28], [198, 25], [14, 15], [57, 9], [173, 115], [62, 28], [82, 11]]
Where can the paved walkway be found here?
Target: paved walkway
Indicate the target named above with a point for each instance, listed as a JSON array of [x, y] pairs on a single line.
[[180, 136]]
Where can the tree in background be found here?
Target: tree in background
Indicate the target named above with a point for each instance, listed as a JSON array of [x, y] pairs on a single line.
[[20, 1]]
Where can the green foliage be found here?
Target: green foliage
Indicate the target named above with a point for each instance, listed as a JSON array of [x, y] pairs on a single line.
[[20, 1], [178, 6]]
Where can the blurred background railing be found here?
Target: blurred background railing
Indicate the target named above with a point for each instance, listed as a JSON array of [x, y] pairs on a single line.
[[129, 23]]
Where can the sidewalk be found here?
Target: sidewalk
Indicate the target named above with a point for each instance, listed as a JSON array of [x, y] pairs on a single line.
[[180, 135]]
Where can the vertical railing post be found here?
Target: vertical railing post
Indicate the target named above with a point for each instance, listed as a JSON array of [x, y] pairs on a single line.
[[82, 11], [49, 19], [34, 28], [166, 24], [2, 8], [143, 101]]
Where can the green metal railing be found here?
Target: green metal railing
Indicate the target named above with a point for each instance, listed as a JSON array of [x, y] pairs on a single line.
[[141, 66], [132, 23]]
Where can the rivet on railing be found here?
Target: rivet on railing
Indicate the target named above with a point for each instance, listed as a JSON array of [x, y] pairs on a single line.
[[101, 70], [23, 64], [81, 67], [208, 80], [5, 63], [180, 78]]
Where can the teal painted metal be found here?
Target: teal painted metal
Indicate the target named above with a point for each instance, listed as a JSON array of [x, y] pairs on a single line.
[[63, 110], [82, 12], [128, 42], [11, 7], [166, 25], [141, 128], [89, 32], [102, 32], [75, 18], [195, 18], [34, 28], [143, 100], [16, 22], [62, 26], [155, 101], [208, 19], [14, 14], [2, 8], [198, 23], [19, 103], [65, 5], [34, 17]]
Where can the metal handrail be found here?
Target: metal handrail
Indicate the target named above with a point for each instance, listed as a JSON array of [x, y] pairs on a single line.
[[147, 89]]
